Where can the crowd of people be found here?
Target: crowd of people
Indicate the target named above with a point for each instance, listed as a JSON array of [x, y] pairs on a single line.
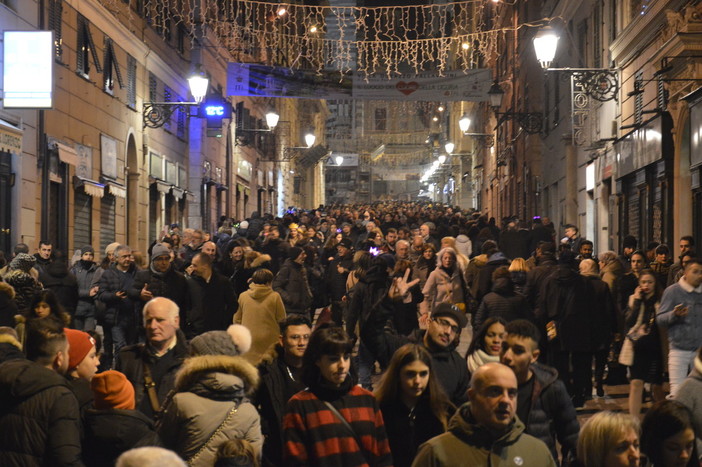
[[330, 337]]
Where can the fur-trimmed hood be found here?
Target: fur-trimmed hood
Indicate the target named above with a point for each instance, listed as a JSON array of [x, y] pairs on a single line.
[[260, 261], [9, 339], [217, 372], [7, 289]]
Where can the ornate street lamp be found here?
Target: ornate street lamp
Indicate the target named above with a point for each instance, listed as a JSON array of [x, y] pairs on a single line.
[[156, 114]]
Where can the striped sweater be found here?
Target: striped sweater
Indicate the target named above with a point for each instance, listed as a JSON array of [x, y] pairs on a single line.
[[315, 436]]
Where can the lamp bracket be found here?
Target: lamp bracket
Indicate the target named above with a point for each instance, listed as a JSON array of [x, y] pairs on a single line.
[[156, 114], [602, 84], [486, 140], [530, 122]]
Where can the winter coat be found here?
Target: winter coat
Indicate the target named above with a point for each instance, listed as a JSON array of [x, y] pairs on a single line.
[[514, 244], [8, 307], [277, 251], [260, 310], [552, 415], [422, 269], [116, 309], [84, 273], [25, 287], [684, 332], [110, 432], [294, 288], [546, 265], [171, 284], [369, 295], [441, 287], [467, 443], [211, 392], [503, 302], [240, 278], [603, 312], [485, 275], [565, 299], [10, 348], [131, 359], [278, 385], [56, 277], [474, 267], [212, 305], [611, 274], [690, 394], [464, 245], [408, 428], [336, 281], [39, 417]]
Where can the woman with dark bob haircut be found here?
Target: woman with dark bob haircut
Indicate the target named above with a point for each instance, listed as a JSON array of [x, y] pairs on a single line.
[[668, 435], [333, 422]]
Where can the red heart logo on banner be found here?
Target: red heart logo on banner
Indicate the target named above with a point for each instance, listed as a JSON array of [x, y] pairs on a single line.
[[407, 88]]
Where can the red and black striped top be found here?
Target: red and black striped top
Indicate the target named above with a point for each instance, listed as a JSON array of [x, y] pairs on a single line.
[[315, 436]]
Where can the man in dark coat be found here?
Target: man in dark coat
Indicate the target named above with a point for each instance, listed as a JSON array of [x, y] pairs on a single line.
[[337, 272], [440, 339], [162, 355], [274, 247], [212, 299], [38, 411], [119, 321], [85, 271], [159, 280], [281, 378], [545, 265], [543, 404], [565, 311], [484, 278], [292, 284]]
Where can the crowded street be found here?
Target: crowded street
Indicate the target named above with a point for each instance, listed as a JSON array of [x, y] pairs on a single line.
[[351, 233]]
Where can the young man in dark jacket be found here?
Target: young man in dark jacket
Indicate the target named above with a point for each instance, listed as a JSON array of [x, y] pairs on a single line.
[[543, 404], [281, 378], [38, 411], [292, 284], [337, 272], [85, 270]]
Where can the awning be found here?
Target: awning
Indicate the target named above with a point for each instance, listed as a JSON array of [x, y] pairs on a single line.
[[247, 192], [67, 154], [117, 190], [10, 138], [91, 187], [222, 187], [178, 193]]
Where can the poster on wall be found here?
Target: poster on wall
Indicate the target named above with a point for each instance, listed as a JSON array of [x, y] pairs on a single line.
[[108, 148], [84, 168]]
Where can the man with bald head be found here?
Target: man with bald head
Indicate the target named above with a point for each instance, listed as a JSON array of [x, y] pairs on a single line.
[[486, 430], [151, 367]]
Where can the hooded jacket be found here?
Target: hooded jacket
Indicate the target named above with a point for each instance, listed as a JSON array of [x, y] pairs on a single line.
[[467, 443], [211, 398], [260, 310], [39, 417], [484, 279], [292, 285], [552, 415]]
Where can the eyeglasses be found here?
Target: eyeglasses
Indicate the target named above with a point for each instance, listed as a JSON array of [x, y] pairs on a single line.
[[446, 325]]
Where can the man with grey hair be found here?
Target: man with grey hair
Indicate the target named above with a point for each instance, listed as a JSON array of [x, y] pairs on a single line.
[[150, 456], [426, 230], [151, 367], [119, 319]]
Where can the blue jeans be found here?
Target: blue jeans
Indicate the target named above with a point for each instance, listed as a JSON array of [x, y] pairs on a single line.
[[366, 361], [680, 362]]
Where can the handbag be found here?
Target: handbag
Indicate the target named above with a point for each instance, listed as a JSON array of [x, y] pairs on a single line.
[[626, 355], [640, 329]]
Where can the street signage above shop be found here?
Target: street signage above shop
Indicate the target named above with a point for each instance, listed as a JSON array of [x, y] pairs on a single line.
[[27, 69]]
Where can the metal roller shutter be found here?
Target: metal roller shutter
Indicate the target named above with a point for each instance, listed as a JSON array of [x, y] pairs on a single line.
[[82, 219], [107, 222]]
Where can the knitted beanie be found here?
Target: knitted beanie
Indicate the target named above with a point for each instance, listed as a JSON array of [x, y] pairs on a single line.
[[87, 249], [159, 249], [80, 344], [23, 262], [112, 391], [236, 340]]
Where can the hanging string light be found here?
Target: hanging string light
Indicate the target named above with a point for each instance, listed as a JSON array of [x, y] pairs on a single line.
[[371, 40]]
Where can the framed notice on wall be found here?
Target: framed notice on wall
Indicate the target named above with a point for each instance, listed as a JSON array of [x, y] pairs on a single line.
[[108, 148]]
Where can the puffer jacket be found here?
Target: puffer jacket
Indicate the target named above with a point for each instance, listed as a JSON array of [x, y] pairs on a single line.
[[503, 302], [260, 311], [294, 288], [211, 398], [552, 415], [8, 307], [84, 272], [467, 443], [39, 417], [441, 287], [110, 432], [116, 309]]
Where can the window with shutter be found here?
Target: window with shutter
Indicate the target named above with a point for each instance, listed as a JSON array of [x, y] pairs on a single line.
[[131, 81], [168, 97], [55, 22], [111, 68], [86, 49], [153, 96]]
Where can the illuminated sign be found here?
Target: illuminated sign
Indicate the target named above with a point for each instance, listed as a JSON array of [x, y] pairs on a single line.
[[27, 69], [214, 110]]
